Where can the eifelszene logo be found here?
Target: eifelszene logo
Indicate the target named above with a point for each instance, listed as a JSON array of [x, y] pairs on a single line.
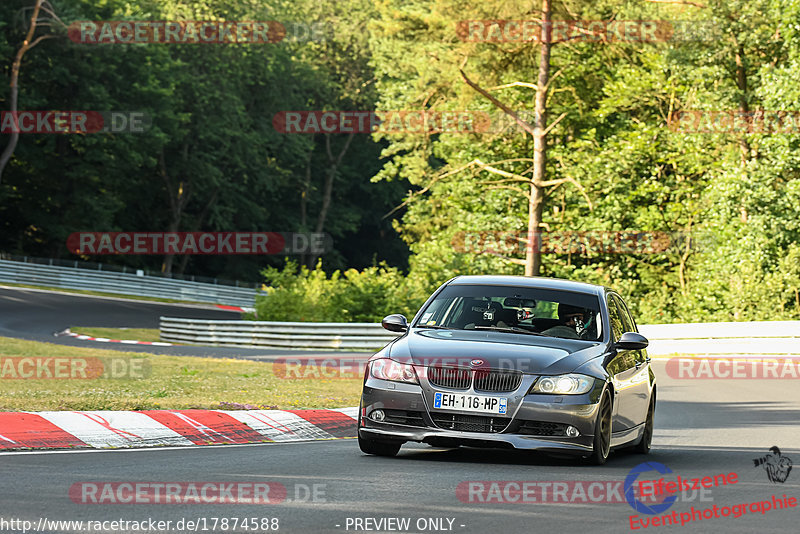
[[776, 465], [630, 487]]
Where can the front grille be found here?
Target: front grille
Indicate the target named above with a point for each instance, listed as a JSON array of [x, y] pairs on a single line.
[[497, 380], [470, 423], [450, 377], [484, 379], [403, 417], [542, 428]]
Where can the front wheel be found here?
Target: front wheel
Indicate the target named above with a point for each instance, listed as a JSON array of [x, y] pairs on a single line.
[[643, 447], [602, 431], [378, 448]]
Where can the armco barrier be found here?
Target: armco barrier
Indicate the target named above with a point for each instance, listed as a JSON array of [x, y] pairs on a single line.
[[342, 336], [123, 283], [765, 338], [745, 338]]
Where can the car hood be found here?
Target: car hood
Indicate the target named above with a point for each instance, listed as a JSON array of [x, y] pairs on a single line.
[[493, 350]]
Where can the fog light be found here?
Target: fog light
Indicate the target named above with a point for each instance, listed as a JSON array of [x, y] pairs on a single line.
[[377, 415], [572, 432]]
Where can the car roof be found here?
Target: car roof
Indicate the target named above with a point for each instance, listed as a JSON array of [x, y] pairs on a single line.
[[539, 282]]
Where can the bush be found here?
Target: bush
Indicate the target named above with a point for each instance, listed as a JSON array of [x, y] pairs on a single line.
[[353, 296]]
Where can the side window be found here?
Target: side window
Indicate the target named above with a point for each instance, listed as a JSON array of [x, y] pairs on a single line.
[[615, 316], [634, 356], [627, 322], [630, 318]]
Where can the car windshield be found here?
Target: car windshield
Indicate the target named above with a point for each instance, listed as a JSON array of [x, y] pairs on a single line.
[[520, 310]]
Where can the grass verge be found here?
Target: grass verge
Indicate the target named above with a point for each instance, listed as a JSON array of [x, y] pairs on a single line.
[[172, 382]]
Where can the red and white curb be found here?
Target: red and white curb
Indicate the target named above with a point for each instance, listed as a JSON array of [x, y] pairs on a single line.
[[235, 308], [82, 337], [151, 428]]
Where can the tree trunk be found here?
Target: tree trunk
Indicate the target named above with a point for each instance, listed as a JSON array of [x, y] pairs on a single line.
[[177, 201], [327, 192], [27, 44], [333, 165], [196, 228], [169, 259], [306, 258], [533, 257]]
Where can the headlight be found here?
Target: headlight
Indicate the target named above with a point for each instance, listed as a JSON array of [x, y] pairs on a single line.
[[573, 384], [386, 369]]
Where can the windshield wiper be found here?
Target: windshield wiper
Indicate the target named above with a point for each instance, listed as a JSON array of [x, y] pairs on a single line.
[[436, 326], [510, 329]]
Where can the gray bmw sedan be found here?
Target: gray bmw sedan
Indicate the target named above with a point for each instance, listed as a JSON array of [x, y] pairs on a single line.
[[514, 362]]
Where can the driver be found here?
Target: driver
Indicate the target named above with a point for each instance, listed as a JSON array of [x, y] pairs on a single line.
[[572, 322]]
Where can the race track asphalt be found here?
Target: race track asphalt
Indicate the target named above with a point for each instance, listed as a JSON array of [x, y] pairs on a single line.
[[703, 428]]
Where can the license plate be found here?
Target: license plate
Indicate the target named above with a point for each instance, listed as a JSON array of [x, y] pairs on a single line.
[[470, 403]]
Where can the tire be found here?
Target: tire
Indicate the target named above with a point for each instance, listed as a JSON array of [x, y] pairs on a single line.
[[643, 447], [602, 431], [379, 448]]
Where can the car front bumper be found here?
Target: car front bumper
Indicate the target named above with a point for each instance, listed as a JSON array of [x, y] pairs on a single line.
[[534, 421]]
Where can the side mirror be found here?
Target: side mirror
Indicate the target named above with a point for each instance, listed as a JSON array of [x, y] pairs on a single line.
[[395, 323], [632, 341]]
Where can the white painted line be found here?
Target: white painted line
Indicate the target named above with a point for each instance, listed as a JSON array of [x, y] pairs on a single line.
[[154, 449]]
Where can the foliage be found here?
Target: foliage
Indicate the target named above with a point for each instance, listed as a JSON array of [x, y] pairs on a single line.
[[620, 164], [351, 296], [211, 159], [636, 173]]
